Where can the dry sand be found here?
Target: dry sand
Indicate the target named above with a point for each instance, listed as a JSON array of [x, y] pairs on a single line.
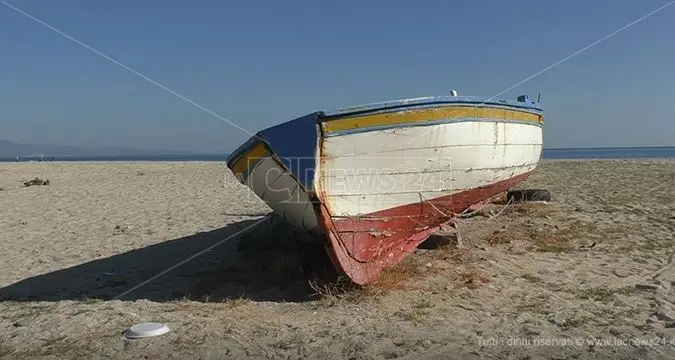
[[530, 281]]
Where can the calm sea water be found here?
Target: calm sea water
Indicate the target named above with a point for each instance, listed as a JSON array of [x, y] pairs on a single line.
[[571, 153]]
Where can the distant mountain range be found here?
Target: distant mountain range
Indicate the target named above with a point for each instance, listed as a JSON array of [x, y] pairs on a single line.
[[12, 149]]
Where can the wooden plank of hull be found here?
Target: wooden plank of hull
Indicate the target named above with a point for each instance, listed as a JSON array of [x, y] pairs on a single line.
[[385, 192], [464, 133], [280, 191], [467, 132], [456, 157]]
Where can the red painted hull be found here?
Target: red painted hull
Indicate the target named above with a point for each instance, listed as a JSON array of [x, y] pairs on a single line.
[[363, 247]]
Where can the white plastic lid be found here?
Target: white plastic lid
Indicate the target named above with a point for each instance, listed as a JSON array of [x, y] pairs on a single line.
[[145, 330]]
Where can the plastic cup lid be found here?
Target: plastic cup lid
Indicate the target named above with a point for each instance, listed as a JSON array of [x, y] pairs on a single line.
[[144, 330]]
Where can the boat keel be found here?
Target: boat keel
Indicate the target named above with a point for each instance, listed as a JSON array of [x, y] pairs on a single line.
[[362, 248]]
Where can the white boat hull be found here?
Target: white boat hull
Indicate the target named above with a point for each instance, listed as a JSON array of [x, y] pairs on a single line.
[[377, 180]]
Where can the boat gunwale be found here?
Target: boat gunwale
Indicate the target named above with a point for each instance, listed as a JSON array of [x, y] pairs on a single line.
[[242, 149], [431, 101]]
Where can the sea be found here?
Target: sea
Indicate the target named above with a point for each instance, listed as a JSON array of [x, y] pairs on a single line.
[[660, 152]]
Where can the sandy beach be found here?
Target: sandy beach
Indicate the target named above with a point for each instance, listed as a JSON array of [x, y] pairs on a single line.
[[104, 246]]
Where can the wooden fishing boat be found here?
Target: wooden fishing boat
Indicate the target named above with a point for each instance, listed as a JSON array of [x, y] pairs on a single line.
[[377, 180]]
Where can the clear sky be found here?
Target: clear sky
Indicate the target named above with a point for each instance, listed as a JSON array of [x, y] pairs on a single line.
[[259, 63]]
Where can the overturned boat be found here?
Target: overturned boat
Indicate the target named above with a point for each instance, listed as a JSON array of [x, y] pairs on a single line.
[[377, 180]]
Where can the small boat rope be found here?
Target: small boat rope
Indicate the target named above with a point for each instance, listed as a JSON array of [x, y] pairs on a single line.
[[434, 206], [446, 215], [504, 208]]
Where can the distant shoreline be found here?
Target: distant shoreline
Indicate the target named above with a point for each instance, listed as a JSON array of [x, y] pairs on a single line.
[[140, 157], [651, 152]]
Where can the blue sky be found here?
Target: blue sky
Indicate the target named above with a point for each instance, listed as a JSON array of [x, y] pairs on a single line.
[[259, 63]]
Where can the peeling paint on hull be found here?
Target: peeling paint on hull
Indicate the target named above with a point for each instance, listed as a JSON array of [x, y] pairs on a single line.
[[378, 180], [362, 257]]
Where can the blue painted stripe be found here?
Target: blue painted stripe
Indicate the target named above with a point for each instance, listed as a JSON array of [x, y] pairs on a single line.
[[294, 144], [428, 123]]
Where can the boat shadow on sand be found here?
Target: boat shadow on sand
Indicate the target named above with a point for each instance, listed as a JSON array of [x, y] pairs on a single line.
[[273, 262]]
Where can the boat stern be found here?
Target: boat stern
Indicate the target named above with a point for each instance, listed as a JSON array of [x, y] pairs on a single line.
[[278, 165]]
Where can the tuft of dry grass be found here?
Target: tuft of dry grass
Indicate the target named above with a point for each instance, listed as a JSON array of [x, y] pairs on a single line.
[[548, 243], [415, 315], [502, 236], [392, 279], [538, 230], [471, 278], [36, 182], [417, 312], [531, 209], [604, 294], [397, 277], [400, 277], [237, 302], [563, 239], [339, 291]]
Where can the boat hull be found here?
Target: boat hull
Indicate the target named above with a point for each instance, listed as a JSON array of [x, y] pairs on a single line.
[[377, 181]]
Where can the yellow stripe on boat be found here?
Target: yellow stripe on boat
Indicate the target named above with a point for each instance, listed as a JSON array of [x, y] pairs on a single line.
[[429, 114], [250, 157]]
